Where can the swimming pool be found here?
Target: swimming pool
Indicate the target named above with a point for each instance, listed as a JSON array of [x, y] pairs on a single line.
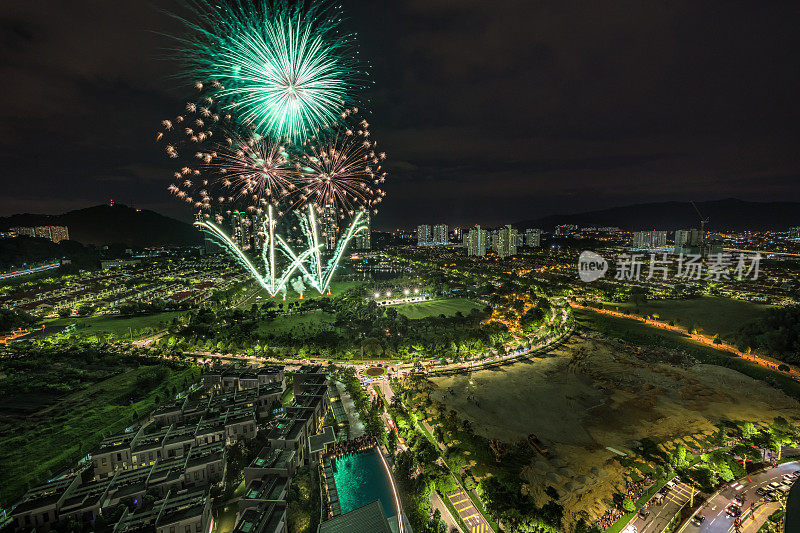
[[361, 479]]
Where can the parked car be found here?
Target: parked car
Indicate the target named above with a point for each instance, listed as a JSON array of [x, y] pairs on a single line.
[[698, 519]]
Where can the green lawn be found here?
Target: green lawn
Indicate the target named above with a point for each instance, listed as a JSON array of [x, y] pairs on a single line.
[[438, 307], [711, 314], [115, 325], [309, 321], [55, 438], [251, 293]]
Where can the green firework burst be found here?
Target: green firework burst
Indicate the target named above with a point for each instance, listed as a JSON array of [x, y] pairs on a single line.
[[287, 70]]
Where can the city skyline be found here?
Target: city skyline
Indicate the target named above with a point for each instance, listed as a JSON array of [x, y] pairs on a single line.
[[311, 266]]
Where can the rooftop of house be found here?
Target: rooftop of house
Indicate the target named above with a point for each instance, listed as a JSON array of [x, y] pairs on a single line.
[[45, 494], [264, 519], [287, 429], [367, 519], [272, 458], [270, 487]]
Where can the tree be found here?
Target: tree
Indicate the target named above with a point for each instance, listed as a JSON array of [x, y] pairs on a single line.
[[748, 430], [678, 459], [628, 505], [778, 439], [718, 462]]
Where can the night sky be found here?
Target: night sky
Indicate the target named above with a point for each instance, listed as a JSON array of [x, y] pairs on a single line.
[[489, 111]]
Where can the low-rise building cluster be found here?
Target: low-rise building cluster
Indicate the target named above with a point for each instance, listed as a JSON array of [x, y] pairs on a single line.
[[161, 474]]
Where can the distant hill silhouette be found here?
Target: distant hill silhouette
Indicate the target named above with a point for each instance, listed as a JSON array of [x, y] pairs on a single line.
[[730, 214], [117, 224]]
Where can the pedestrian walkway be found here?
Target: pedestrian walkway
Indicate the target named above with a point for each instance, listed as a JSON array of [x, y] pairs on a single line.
[[356, 426], [468, 513], [679, 494]]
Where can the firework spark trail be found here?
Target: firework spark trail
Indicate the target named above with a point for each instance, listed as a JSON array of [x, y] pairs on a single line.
[[273, 286], [343, 167], [222, 163], [271, 132], [317, 277], [253, 168], [286, 69]]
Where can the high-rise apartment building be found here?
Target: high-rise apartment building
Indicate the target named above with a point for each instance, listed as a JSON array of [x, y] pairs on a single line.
[[241, 228], [363, 239], [688, 241], [440, 235], [53, 233], [330, 226], [476, 242], [424, 235], [649, 239], [566, 229], [533, 238], [506, 243], [794, 233]]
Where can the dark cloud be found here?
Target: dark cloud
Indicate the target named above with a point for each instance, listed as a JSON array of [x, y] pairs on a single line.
[[490, 111]]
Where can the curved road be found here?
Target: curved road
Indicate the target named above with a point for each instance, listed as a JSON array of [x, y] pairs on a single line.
[[716, 521]]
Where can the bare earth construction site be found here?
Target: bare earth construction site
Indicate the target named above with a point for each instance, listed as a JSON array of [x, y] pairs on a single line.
[[593, 400]]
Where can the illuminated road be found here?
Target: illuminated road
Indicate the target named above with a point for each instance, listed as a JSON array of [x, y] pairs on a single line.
[[716, 521], [661, 515]]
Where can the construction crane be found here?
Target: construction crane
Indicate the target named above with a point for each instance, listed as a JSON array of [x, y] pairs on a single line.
[[703, 222]]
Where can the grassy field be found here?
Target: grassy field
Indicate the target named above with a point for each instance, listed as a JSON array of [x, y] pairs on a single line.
[[711, 314], [254, 293], [115, 325], [438, 307], [309, 321], [44, 443], [317, 320]]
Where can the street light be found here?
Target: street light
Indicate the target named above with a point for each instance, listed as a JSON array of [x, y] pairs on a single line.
[[388, 294], [405, 292], [377, 295]]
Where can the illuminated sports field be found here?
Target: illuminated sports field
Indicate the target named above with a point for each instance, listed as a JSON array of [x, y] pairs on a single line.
[[438, 307]]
